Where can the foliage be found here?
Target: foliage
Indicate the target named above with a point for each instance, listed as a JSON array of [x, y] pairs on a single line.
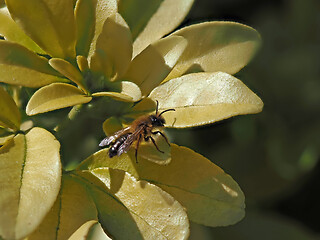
[[94, 60]]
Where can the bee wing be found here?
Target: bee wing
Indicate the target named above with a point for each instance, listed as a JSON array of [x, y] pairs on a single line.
[[128, 142], [108, 140]]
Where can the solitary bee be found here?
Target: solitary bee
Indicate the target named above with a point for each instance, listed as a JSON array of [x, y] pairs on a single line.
[[140, 129]]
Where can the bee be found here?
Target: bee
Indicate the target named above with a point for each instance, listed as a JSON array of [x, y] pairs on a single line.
[[141, 129]]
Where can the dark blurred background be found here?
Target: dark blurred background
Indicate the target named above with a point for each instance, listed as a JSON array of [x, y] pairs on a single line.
[[274, 155]]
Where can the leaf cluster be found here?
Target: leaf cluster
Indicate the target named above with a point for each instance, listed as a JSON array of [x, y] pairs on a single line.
[[105, 61]]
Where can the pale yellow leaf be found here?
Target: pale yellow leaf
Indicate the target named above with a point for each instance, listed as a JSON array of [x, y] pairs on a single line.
[[68, 70], [104, 9], [114, 95], [148, 151], [203, 98], [51, 24], [55, 96], [5, 139], [113, 51], [131, 89], [12, 32], [145, 107], [130, 92], [90, 230], [13, 54], [152, 65], [9, 112], [216, 46], [111, 125], [166, 18], [210, 196], [85, 14], [82, 63], [21, 76], [73, 207], [20, 66], [30, 172], [145, 211]]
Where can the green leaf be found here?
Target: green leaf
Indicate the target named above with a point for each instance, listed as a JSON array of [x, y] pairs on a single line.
[[203, 98], [142, 209], [113, 51], [12, 32], [30, 175], [216, 46], [152, 66], [85, 12], [55, 96], [104, 9], [72, 208], [90, 230], [51, 24], [152, 24], [9, 112], [210, 196]]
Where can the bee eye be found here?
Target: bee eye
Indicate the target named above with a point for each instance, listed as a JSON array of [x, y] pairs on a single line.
[[153, 119]]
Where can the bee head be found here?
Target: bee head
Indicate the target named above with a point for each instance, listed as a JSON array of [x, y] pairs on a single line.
[[157, 121]]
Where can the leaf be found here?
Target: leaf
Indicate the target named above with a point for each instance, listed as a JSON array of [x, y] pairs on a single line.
[[137, 19], [13, 54], [104, 9], [85, 12], [30, 172], [156, 24], [12, 32], [20, 66], [111, 125], [216, 46], [151, 66], [107, 57], [203, 98], [142, 209], [130, 92], [55, 96], [210, 196], [25, 77], [5, 139], [9, 113], [73, 207], [144, 107], [82, 63], [51, 24], [68, 70], [90, 230]]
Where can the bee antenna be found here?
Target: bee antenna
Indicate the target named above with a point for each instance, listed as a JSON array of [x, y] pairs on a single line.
[[157, 107], [167, 110]]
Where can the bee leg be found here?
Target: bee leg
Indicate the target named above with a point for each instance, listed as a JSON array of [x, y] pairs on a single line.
[[164, 136], [137, 146], [154, 143]]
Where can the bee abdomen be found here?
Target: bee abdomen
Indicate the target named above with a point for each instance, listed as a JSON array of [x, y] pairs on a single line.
[[113, 150]]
